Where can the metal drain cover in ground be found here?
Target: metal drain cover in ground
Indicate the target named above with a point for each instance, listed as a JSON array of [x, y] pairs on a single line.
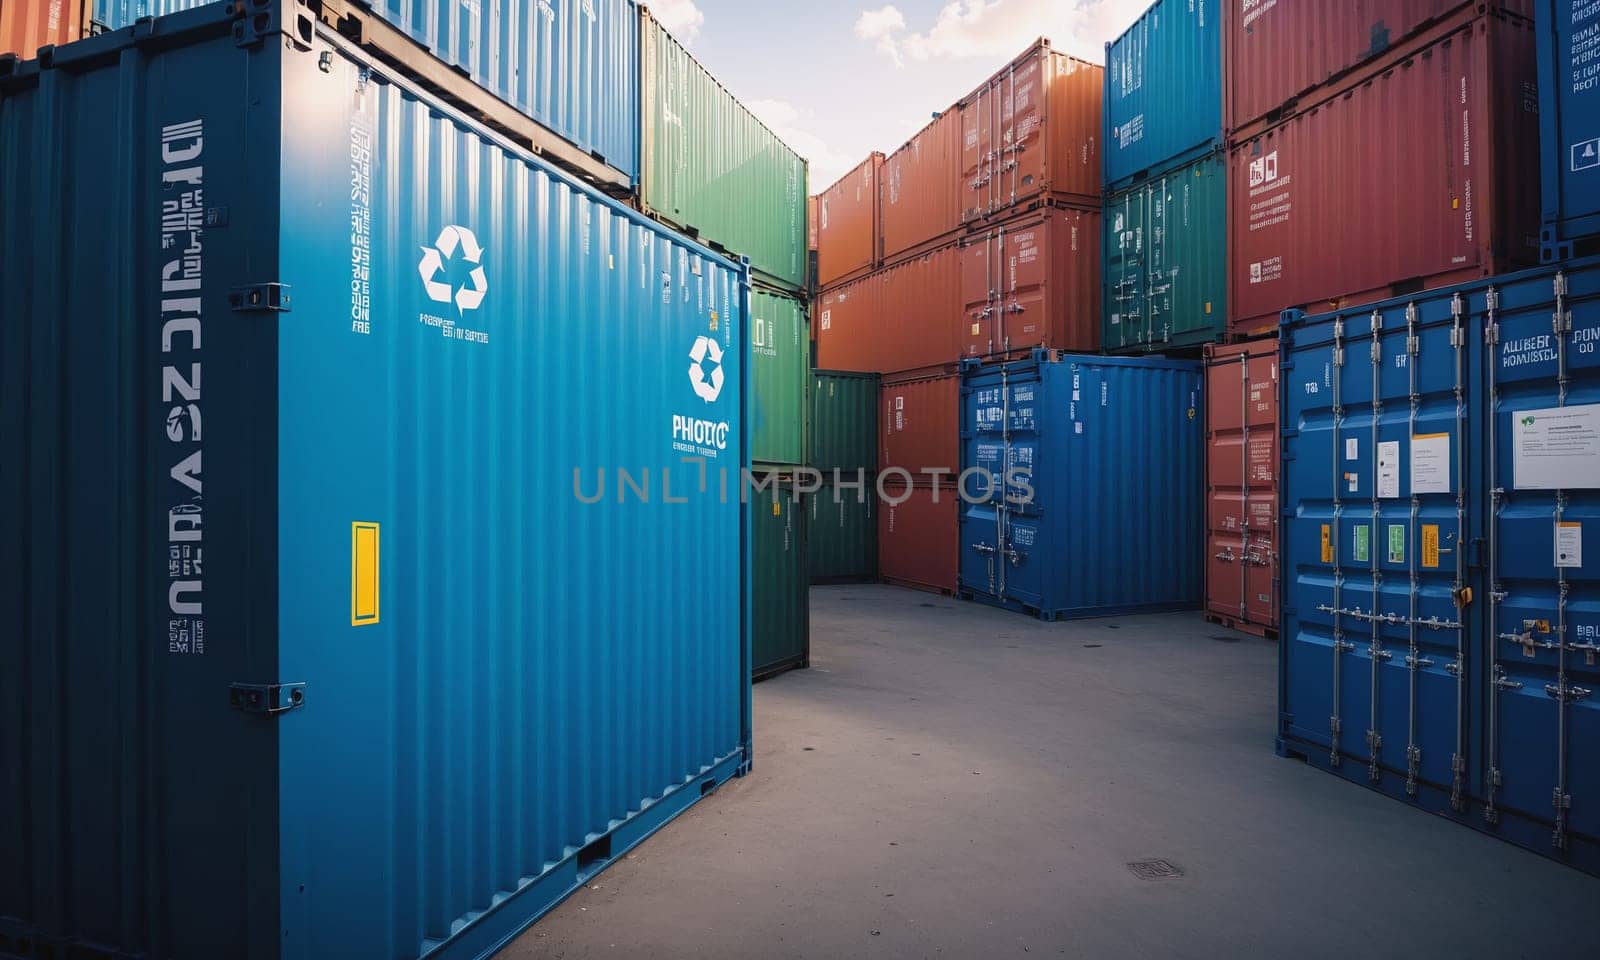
[[1155, 870]]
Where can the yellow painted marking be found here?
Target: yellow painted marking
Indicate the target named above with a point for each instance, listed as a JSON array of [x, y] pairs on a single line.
[[365, 559]]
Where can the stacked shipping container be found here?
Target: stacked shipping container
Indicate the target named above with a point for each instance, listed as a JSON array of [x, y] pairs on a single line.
[[844, 511]]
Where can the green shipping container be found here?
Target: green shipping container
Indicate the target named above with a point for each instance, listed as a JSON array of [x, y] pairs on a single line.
[[844, 421], [780, 373], [1165, 266], [781, 624], [711, 169], [842, 534]]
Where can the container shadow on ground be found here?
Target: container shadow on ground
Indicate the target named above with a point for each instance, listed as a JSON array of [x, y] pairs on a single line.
[[949, 779]]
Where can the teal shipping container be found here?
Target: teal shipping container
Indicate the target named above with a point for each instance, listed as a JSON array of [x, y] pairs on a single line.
[[780, 378], [328, 626], [1163, 90], [1166, 267], [780, 634], [842, 533], [571, 67], [844, 421]]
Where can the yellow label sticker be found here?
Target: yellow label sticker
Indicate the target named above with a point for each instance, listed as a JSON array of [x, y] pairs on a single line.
[[777, 509], [974, 329], [713, 321], [1327, 543], [1430, 545], [1208, 308], [364, 562]]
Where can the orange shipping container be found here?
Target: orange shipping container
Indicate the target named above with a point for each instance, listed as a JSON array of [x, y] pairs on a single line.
[[1033, 129], [922, 188], [27, 25], [919, 425], [847, 224], [918, 540], [1242, 486], [903, 317], [1032, 282]]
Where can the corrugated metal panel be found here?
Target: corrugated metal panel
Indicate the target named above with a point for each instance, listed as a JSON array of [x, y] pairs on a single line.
[[1032, 130], [1032, 282], [842, 536], [27, 25], [844, 421], [1438, 609], [1569, 116], [917, 536], [1095, 508], [904, 317], [386, 513], [922, 188], [710, 167], [780, 361], [1163, 88], [572, 65], [1278, 53], [919, 426], [1453, 201], [847, 224], [1241, 545], [780, 634], [1166, 265]]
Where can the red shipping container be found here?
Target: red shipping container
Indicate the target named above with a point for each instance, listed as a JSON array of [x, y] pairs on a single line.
[[27, 25], [922, 188], [919, 425], [1032, 129], [847, 224], [918, 540], [1032, 282], [1242, 486], [1280, 51], [1424, 175], [904, 317]]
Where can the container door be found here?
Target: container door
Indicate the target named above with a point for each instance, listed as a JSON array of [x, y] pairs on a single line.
[[977, 136], [1022, 554], [1020, 154], [1023, 260], [779, 638], [1376, 664], [1544, 600], [1227, 464], [979, 287], [982, 456], [1125, 270], [1259, 490]]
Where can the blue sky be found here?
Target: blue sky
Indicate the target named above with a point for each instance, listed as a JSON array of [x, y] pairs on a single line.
[[840, 78]]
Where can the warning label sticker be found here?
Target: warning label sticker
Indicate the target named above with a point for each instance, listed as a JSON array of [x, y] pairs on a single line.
[[1569, 544], [1327, 543], [1362, 548], [1397, 543], [1430, 545]]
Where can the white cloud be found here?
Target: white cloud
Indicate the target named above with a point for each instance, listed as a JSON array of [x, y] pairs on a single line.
[[999, 28], [883, 26], [682, 18], [794, 127]]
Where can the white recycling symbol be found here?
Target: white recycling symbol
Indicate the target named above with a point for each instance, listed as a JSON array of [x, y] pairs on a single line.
[[432, 266], [706, 386]]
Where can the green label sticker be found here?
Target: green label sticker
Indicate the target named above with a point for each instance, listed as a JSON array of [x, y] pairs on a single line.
[[1363, 544], [1397, 543]]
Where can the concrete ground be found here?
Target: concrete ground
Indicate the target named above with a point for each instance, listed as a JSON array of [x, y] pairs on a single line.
[[953, 780]]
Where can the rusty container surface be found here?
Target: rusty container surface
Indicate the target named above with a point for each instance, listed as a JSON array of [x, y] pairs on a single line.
[[921, 188], [847, 224], [1279, 53], [27, 25], [1032, 282], [1032, 130], [918, 538], [919, 425], [1242, 486], [1331, 207]]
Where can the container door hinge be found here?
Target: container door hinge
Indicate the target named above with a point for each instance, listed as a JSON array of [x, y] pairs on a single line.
[[270, 297], [268, 698]]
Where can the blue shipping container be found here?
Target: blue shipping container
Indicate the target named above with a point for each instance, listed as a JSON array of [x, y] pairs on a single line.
[[1097, 504], [1163, 90], [571, 65], [1441, 468], [1569, 120], [354, 670]]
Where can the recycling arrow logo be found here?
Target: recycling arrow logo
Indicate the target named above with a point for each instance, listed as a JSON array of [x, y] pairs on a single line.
[[452, 240], [707, 384]]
